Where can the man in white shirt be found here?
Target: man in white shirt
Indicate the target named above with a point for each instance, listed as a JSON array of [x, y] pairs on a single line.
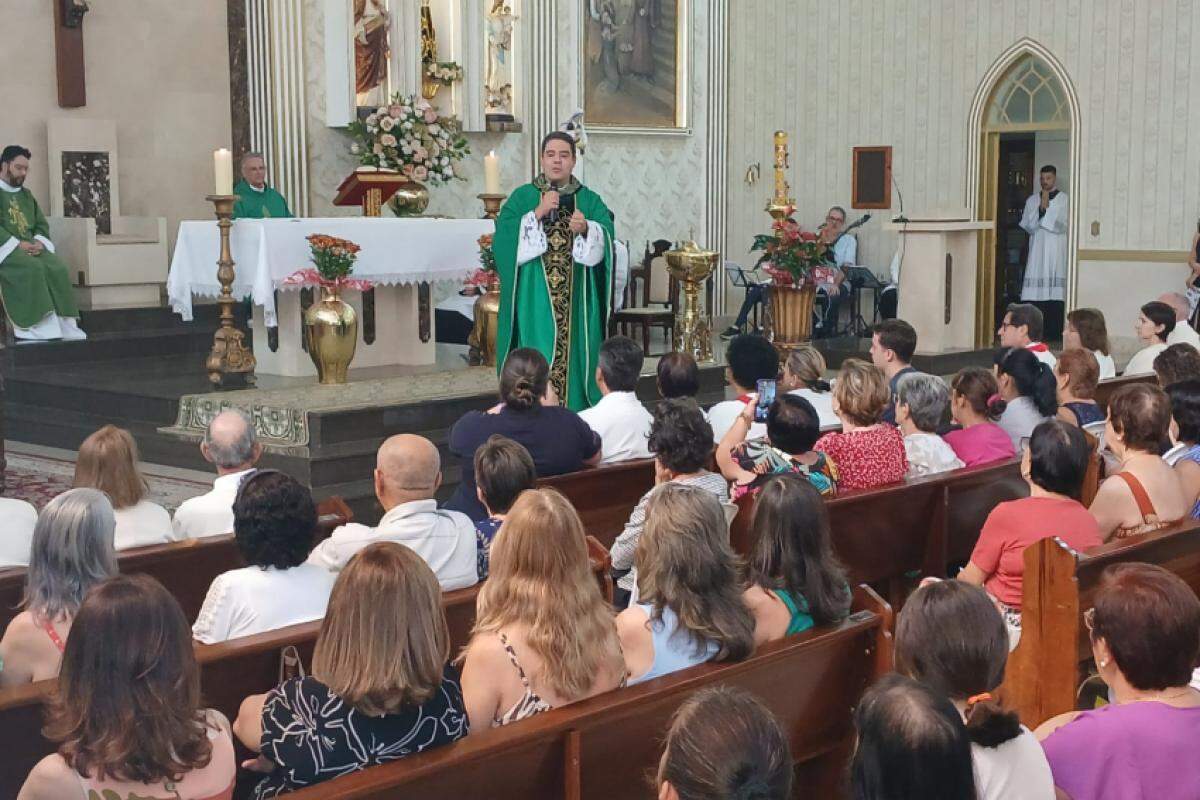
[[620, 418], [230, 446], [1022, 327], [1183, 332], [748, 359], [408, 472]]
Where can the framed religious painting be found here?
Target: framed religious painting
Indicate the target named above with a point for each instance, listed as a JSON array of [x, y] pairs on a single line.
[[636, 57]]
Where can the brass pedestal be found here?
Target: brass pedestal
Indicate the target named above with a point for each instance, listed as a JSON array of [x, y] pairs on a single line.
[[691, 266]]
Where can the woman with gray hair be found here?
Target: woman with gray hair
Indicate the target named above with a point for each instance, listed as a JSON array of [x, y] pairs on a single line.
[[72, 551], [921, 404]]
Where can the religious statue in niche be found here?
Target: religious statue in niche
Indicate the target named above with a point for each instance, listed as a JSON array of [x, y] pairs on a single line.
[[499, 85], [429, 48], [371, 22]]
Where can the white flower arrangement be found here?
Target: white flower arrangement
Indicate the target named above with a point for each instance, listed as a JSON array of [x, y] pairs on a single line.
[[408, 136], [444, 72]]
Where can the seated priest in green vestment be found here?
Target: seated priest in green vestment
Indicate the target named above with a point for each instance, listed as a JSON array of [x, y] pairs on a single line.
[[256, 200], [34, 283], [554, 251]]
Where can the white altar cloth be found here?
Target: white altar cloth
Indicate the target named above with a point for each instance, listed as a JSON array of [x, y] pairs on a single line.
[[266, 251]]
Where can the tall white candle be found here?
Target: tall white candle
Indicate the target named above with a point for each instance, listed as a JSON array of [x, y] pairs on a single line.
[[491, 173], [223, 168]]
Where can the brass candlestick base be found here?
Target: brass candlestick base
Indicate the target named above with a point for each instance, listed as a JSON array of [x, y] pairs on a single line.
[[691, 266], [491, 204], [230, 360], [780, 207]]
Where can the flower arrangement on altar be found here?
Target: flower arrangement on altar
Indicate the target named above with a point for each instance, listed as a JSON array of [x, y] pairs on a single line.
[[444, 72], [789, 253], [334, 261], [408, 136], [487, 276]]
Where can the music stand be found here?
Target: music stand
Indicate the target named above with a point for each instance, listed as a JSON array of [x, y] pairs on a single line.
[[744, 279], [861, 278]]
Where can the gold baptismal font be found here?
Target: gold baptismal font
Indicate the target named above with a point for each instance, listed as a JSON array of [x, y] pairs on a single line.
[[691, 266]]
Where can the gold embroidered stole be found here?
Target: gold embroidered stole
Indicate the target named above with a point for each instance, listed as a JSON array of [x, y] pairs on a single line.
[[559, 264]]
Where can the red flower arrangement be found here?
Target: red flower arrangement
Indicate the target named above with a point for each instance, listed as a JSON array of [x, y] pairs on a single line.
[[334, 259], [790, 253]]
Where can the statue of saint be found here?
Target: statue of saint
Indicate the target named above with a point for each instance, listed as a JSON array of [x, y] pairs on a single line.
[[499, 71], [370, 46]]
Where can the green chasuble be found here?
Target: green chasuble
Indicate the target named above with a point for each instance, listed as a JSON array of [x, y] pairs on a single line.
[[553, 303], [32, 286], [253, 204]]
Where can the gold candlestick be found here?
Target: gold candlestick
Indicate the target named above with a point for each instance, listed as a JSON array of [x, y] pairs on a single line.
[[229, 357], [781, 204], [491, 204]]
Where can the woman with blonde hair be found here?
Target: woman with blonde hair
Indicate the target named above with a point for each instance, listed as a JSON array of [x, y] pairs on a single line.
[[689, 607], [379, 675], [867, 451], [72, 551], [544, 635], [804, 376], [108, 461]]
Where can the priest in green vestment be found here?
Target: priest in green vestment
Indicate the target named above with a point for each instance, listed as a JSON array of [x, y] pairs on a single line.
[[256, 200], [554, 251], [34, 283]]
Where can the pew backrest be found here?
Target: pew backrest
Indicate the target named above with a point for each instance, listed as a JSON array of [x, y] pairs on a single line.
[[604, 496], [1105, 389]]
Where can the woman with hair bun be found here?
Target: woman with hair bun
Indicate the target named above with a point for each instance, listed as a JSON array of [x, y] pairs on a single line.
[[951, 638], [529, 414], [1029, 391], [976, 404]]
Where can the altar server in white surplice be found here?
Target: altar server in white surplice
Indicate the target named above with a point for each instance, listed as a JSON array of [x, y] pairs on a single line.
[[1045, 220]]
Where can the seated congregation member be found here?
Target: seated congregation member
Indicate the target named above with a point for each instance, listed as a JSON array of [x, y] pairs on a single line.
[[678, 376], [1085, 329], [1076, 376], [1185, 419], [274, 520], [912, 745], [867, 451], [1145, 495], [804, 376], [503, 469], [1183, 332], [975, 404], [381, 685], [230, 446], [724, 744], [72, 551], [921, 404], [679, 439], [1053, 465], [408, 472], [556, 437], [544, 635], [688, 608], [1153, 327], [950, 637], [791, 433], [1145, 633], [893, 343], [16, 534], [126, 713], [1022, 328], [795, 580], [1179, 362], [620, 419], [748, 360], [1027, 388], [108, 461]]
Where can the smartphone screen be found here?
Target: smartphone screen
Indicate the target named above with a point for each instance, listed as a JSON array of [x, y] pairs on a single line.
[[766, 396]]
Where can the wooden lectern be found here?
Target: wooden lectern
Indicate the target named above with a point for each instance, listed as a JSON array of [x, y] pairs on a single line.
[[370, 189]]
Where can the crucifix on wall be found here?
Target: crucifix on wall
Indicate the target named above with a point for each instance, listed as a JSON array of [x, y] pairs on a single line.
[[68, 51]]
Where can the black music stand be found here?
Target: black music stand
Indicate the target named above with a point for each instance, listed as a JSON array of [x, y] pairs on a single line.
[[861, 278]]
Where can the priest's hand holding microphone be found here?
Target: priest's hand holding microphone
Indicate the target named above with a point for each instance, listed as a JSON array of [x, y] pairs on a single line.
[[550, 204]]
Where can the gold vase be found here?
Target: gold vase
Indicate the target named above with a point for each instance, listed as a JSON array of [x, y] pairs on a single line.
[[430, 88], [331, 333], [410, 200], [791, 314], [483, 335]]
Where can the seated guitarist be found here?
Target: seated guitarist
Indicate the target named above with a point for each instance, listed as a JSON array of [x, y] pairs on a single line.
[[830, 280]]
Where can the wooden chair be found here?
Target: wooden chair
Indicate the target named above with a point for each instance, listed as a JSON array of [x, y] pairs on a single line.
[[1059, 584], [658, 301]]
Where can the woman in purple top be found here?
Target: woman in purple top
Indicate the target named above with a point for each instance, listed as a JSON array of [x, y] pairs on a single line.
[[1145, 632], [975, 404]]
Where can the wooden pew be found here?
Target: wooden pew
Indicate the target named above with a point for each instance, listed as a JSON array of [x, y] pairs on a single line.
[[186, 568], [229, 671], [604, 496], [1059, 585], [1105, 388], [607, 746]]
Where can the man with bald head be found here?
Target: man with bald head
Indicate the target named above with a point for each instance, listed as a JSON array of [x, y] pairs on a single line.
[[1183, 332], [229, 445], [408, 472], [257, 200]]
